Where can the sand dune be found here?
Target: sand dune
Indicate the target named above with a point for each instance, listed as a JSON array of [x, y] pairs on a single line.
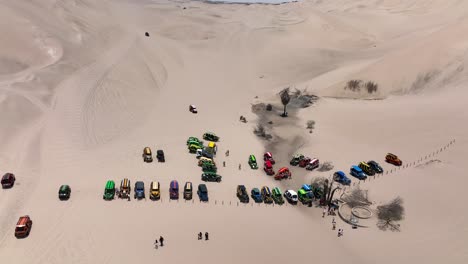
[[83, 91]]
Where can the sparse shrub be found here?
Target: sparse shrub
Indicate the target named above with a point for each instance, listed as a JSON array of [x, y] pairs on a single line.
[[326, 166], [318, 182], [261, 132], [302, 99], [388, 214], [353, 85], [269, 107], [310, 124], [357, 197], [371, 87], [356, 85]]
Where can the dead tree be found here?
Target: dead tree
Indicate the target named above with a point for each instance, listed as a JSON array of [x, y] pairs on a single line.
[[389, 214], [357, 197]]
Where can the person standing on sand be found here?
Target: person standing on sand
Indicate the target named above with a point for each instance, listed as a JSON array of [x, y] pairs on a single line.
[[200, 236], [227, 153], [156, 244], [239, 166], [206, 235], [224, 164], [161, 240]]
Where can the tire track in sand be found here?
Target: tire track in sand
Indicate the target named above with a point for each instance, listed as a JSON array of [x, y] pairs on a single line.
[[65, 131]]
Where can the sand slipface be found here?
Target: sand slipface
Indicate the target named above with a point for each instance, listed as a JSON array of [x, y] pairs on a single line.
[[83, 91]]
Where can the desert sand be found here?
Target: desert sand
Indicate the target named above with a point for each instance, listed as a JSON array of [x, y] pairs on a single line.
[[83, 91]]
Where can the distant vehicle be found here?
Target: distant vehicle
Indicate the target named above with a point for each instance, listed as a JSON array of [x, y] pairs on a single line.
[[296, 159], [210, 136], [202, 192], [155, 191], [8, 180], [341, 177], [256, 195], [64, 192], [125, 188], [366, 168], [242, 194], [211, 177], [313, 164], [303, 163], [304, 196], [139, 190], [194, 144], [199, 153], [357, 172], [268, 157], [209, 167], [291, 196], [188, 190], [253, 162], [277, 196], [283, 173], [204, 160], [268, 168], [160, 155], [375, 166], [393, 159], [23, 226], [109, 190], [194, 140], [147, 155], [266, 195], [212, 148], [174, 190], [193, 109]]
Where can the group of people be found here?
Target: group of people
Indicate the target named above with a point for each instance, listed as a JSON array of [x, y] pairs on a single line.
[[161, 242], [200, 236]]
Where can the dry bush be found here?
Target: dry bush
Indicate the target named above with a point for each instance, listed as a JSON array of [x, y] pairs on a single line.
[[357, 197], [310, 124], [371, 87], [258, 108], [301, 99], [269, 107], [353, 85], [388, 214], [326, 166], [260, 131], [356, 85], [318, 182], [424, 79]]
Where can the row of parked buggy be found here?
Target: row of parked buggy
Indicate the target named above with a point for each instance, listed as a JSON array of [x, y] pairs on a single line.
[[365, 169], [110, 191], [361, 171], [305, 195]]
